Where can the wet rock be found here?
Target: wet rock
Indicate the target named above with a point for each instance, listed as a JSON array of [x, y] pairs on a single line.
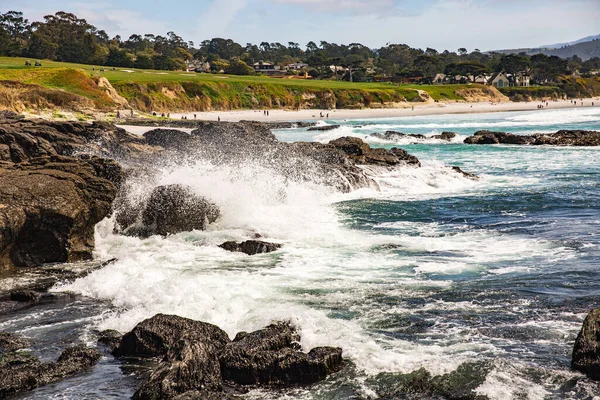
[[448, 136], [20, 372], [25, 296], [189, 351], [456, 385], [361, 153], [323, 128], [465, 174], [271, 356], [49, 207], [110, 339], [169, 210], [393, 135], [569, 138], [168, 138], [586, 351], [251, 247], [9, 342], [153, 337]]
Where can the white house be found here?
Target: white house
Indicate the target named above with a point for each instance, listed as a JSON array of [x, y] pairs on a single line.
[[297, 66], [499, 80]]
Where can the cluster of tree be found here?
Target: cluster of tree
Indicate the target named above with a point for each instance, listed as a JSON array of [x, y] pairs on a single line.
[[65, 37]]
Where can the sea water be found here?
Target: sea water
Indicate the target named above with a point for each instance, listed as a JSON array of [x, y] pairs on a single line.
[[431, 271]]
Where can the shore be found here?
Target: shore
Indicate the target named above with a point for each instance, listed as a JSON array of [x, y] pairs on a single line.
[[425, 109]]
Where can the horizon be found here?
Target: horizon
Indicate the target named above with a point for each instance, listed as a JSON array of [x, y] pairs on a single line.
[[419, 24]]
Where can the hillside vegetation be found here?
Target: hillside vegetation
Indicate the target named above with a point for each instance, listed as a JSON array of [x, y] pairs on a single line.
[[76, 87]]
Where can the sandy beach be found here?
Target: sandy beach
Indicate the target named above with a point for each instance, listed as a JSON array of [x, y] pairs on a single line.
[[425, 109]]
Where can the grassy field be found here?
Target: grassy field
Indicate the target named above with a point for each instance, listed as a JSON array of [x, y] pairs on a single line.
[[175, 90]]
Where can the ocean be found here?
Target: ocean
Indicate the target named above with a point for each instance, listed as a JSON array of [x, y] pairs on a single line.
[[431, 271]]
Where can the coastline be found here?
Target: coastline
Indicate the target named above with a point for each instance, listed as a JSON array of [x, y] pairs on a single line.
[[367, 113]]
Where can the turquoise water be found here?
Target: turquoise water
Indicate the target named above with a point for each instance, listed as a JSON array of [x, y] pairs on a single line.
[[431, 271]]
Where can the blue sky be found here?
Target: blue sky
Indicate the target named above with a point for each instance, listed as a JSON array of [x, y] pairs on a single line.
[[441, 24]]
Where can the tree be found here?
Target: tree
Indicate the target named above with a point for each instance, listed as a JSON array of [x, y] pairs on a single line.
[[238, 67], [514, 63], [462, 51], [15, 30]]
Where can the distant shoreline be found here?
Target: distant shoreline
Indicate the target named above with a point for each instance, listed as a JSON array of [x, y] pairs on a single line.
[[368, 113]]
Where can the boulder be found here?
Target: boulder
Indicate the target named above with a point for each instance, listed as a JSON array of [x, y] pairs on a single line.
[[361, 153], [586, 352], [20, 372], [10, 342], [25, 296], [110, 339], [251, 247], [271, 356], [49, 207], [448, 136], [189, 351]]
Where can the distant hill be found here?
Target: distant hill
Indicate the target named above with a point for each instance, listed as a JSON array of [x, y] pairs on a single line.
[[559, 45], [585, 48]]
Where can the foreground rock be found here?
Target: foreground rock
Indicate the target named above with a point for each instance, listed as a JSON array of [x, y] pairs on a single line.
[[271, 356], [170, 209], [560, 138], [251, 247], [20, 372], [586, 352], [48, 209], [10, 342], [197, 358]]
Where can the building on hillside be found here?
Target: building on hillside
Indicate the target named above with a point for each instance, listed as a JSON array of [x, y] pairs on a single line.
[[499, 80], [197, 66], [297, 66], [520, 79], [266, 67], [439, 79]]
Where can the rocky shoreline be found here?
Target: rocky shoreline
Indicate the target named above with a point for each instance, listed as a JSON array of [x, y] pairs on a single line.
[[59, 179]]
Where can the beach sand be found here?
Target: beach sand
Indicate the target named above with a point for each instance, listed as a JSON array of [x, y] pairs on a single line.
[[426, 109]]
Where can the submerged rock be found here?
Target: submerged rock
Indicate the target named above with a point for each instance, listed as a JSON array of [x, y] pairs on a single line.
[[271, 356], [586, 352], [20, 372], [49, 207], [251, 247], [465, 174]]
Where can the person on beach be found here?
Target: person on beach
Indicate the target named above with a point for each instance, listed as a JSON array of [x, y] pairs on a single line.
[[194, 116], [132, 113], [118, 114], [218, 119]]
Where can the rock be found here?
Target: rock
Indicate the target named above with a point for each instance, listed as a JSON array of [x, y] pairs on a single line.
[[25, 296], [49, 207], [153, 337], [560, 138], [465, 174], [251, 247], [189, 350], [448, 136], [168, 138], [271, 356], [361, 153], [20, 372], [393, 135], [10, 342], [324, 128], [110, 339], [586, 352]]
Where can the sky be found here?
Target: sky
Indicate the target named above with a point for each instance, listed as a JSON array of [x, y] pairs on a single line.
[[439, 24]]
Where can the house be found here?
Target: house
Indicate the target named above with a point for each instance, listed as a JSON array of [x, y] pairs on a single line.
[[197, 66], [439, 79], [297, 66], [266, 67], [481, 79], [521, 79], [499, 80]]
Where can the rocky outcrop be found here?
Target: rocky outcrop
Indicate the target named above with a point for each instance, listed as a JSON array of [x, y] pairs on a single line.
[[168, 138], [169, 209], [560, 138], [48, 209], [10, 342], [361, 153], [271, 356], [447, 136], [393, 136], [20, 372], [198, 359], [251, 247], [586, 352], [324, 128]]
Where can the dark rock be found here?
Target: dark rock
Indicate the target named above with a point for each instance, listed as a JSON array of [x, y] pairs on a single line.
[[465, 174], [49, 207], [153, 337], [448, 136], [586, 352], [324, 128], [560, 138], [271, 356], [361, 153], [189, 350], [110, 338], [405, 156], [251, 247], [168, 138], [25, 296], [10, 342], [20, 372]]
